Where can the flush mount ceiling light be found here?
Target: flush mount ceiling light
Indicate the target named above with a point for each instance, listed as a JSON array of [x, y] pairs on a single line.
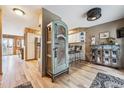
[[94, 14], [19, 11]]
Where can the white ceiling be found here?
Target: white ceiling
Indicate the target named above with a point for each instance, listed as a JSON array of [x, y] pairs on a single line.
[[15, 24], [73, 15]]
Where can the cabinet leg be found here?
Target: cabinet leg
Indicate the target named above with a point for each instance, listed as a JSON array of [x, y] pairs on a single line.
[[53, 79], [68, 71]]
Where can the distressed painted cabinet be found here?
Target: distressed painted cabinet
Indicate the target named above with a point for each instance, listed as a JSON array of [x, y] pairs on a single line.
[[108, 55], [57, 49]]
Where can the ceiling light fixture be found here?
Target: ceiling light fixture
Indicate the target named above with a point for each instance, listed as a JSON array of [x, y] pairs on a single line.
[[19, 11], [94, 14]]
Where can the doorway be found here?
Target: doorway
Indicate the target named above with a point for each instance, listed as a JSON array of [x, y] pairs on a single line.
[[7, 46]]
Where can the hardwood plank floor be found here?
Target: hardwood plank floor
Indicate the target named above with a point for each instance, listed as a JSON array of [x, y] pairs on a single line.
[[13, 73], [81, 75]]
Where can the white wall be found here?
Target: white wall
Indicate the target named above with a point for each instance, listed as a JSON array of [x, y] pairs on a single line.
[[14, 24], [30, 46]]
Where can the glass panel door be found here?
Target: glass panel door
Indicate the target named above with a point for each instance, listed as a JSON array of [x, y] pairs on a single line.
[[60, 46], [7, 45], [10, 46], [4, 46]]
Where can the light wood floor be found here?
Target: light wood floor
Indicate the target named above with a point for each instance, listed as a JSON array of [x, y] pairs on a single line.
[[16, 71]]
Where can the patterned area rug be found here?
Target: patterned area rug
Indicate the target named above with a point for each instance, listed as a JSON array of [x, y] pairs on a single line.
[[25, 85], [107, 81]]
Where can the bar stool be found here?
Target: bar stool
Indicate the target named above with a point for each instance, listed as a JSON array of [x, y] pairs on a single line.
[[77, 53], [80, 53], [71, 54]]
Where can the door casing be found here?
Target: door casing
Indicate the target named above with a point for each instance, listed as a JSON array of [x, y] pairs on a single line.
[[0, 42]]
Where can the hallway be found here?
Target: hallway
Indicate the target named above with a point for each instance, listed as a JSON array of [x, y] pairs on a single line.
[[13, 73]]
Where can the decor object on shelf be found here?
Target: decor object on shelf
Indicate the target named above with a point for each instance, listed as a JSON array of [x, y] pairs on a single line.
[[93, 40], [25, 85], [104, 35], [107, 81], [94, 14], [110, 40], [82, 37], [57, 49]]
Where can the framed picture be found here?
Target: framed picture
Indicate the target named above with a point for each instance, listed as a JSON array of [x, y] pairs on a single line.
[[104, 35], [18, 43]]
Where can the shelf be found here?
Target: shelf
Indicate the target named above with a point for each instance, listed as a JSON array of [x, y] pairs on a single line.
[[49, 42], [49, 55], [76, 42]]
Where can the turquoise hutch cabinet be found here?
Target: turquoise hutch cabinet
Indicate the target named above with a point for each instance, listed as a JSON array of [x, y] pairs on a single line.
[[57, 49]]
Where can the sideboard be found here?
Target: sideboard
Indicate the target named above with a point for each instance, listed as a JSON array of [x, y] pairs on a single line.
[[108, 55]]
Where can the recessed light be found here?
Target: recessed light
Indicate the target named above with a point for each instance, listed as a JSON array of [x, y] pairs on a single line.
[[19, 11]]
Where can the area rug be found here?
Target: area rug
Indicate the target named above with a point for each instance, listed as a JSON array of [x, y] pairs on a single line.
[[25, 85], [107, 81]]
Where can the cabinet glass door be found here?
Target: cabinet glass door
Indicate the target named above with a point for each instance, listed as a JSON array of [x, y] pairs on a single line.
[[60, 47]]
